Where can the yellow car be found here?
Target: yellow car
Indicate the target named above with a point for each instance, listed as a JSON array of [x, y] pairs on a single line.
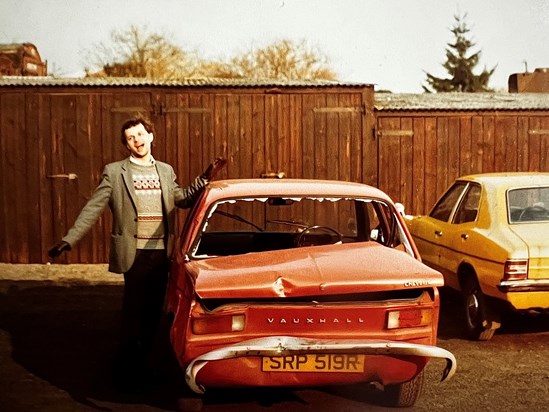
[[489, 236]]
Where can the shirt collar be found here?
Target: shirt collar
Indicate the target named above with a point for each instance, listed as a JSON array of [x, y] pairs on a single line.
[[135, 162]]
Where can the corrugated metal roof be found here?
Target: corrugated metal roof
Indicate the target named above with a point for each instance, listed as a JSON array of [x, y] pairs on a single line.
[[383, 101], [18, 81], [461, 101]]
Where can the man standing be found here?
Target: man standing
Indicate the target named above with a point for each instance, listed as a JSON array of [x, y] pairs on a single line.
[[142, 194]]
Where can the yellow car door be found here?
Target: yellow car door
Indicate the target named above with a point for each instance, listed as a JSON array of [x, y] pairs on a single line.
[[455, 236], [431, 232]]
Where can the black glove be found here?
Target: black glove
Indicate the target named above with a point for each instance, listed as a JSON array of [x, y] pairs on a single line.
[[58, 248], [213, 168]]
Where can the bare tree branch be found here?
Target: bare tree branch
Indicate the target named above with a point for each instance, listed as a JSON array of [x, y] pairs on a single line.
[[282, 60], [137, 53]]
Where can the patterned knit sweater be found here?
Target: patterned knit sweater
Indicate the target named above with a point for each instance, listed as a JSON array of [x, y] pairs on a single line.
[[150, 222]]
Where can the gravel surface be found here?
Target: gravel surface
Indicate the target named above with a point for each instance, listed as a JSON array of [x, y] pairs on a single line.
[[58, 327], [79, 274]]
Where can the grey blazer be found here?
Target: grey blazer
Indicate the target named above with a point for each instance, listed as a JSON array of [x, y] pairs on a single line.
[[116, 189]]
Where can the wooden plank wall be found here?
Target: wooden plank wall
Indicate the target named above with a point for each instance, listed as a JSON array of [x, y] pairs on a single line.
[[311, 133], [48, 133], [420, 154]]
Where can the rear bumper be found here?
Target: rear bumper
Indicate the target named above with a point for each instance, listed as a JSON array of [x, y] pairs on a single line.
[[287, 345], [524, 295], [528, 285]]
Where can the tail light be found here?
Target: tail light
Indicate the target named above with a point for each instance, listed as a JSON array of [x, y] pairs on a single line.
[[515, 269], [218, 324], [409, 318]]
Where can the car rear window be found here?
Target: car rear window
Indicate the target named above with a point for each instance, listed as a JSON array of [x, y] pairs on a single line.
[[237, 226], [528, 205]]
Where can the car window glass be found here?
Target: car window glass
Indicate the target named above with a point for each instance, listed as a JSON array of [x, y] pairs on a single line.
[[238, 226], [528, 204], [468, 209], [445, 205]]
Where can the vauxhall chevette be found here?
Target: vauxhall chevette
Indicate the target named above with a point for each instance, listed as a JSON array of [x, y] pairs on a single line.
[[292, 282]]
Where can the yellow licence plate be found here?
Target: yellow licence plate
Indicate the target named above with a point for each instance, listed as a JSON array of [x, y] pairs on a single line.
[[314, 363]]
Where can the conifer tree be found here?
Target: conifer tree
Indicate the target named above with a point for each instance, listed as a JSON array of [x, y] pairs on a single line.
[[460, 65]]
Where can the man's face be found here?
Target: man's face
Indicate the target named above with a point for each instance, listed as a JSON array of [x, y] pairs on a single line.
[[138, 141]]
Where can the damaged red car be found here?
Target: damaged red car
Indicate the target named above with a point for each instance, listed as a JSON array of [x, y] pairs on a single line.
[[294, 283]]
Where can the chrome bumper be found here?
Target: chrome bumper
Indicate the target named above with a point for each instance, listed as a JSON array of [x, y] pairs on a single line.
[[528, 285], [287, 345]]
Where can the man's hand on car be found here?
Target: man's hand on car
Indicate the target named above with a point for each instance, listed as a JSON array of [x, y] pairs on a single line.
[[213, 168]]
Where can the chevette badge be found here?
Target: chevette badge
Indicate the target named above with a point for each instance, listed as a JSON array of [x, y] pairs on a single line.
[[414, 283]]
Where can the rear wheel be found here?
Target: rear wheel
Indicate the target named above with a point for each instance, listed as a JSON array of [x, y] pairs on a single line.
[[404, 394], [480, 321], [188, 400], [189, 404]]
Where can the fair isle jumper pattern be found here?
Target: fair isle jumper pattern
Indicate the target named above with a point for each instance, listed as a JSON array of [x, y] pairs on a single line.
[[150, 222]]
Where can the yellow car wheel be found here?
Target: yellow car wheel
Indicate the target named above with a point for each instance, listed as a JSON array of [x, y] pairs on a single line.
[[477, 322]]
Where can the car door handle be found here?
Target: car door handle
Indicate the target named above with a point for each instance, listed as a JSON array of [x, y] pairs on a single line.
[[438, 232], [464, 236]]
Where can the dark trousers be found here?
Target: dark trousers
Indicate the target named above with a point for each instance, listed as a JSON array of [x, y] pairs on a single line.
[[144, 291]]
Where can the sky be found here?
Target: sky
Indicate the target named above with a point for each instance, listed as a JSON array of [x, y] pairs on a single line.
[[388, 43]]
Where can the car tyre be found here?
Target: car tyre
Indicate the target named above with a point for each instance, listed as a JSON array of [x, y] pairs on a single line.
[[404, 394], [479, 324], [190, 404]]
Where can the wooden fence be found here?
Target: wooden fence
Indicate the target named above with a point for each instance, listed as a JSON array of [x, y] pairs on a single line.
[[421, 153], [55, 141]]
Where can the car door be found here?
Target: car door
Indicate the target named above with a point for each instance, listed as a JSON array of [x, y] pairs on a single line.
[[430, 232], [455, 238]]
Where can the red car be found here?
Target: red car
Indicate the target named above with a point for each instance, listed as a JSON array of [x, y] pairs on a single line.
[[286, 282]]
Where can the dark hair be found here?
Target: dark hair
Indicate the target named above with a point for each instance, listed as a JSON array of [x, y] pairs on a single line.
[[147, 124]]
